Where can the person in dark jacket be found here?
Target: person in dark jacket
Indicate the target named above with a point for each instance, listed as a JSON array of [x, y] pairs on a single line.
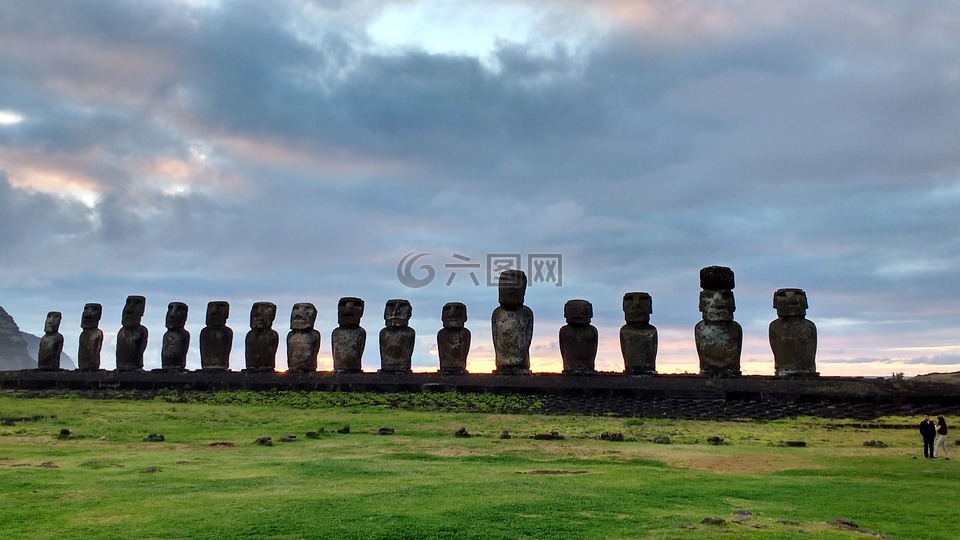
[[929, 432], [941, 439]]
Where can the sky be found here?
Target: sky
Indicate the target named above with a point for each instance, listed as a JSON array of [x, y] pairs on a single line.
[[302, 151]]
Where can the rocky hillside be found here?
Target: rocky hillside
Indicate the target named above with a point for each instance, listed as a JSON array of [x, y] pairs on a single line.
[[13, 348]]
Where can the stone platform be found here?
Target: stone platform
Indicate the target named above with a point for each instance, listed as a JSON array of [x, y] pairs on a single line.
[[835, 390]]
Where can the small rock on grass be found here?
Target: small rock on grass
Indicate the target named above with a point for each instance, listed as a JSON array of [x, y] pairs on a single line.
[[344, 430], [552, 436], [154, 437], [288, 438], [48, 465], [264, 441], [504, 434], [610, 436], [65, 434], [384, 430], [661, 439], [462, 432], [713, 521]]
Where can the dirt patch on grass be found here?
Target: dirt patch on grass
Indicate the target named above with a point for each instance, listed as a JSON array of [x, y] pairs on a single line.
[[550, 471], [735, 463]]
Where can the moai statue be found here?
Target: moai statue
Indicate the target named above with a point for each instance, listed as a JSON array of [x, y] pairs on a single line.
[[512, 325], [51, 344], [397, 339], [262, 340], [638, 338], [348, 338], [453, 341], [132, 337], [303, 341], [176, 340], [91, 338], [216, 338], [719, 338], [792, 337], [578, 339]]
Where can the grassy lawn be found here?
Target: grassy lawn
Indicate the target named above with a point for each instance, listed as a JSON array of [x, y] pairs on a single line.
[[422, 482]]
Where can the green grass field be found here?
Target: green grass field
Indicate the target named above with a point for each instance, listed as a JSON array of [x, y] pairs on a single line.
[[422, 482]]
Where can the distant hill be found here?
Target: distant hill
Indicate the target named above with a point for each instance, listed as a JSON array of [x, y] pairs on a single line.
[[13, 348], [33, 347]]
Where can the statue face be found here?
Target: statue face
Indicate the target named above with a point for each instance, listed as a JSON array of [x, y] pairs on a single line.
[[717, 305], [637, 307], [52, 324], [91, 316], [578, 312], [303, 316], [397, 312], [176, 315], [790, 302], [133, 310], [454, 315], [262, 315], [349, 311], [217, 313], [512, 288]]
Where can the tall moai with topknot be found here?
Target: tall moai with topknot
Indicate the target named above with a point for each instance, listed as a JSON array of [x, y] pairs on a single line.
[[638, 338], [792, 337], [512, 325], [719, 338], [132, 337]]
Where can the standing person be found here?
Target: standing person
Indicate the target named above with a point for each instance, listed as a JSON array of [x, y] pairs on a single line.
[[941, 438], [929, 432]]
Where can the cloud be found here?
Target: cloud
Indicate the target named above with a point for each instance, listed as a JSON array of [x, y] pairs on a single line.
[[248, 152]]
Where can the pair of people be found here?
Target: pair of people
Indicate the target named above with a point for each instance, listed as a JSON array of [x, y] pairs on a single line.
[[934, 432]]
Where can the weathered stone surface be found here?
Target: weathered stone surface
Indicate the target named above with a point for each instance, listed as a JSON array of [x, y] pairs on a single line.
[[578, 339], [216, 338], [13, 349], [349, 339], [793, 338], [176, 340], [51, 344], [132, 337], [453, 340], [512, 325], [303, 341], [638, 338], [262, 340], [397, 339], [718, 337], [91, 338]]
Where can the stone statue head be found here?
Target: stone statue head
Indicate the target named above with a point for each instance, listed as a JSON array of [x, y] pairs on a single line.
[[578, 312], [91, 316], [637, 307], [52, 324], [262, 315], [512, 287], [133, 310], [397, 312], [454, 315], [717, 305], [303, 316], [790, 302], [176, 315], [218, 312], [349, 311]]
